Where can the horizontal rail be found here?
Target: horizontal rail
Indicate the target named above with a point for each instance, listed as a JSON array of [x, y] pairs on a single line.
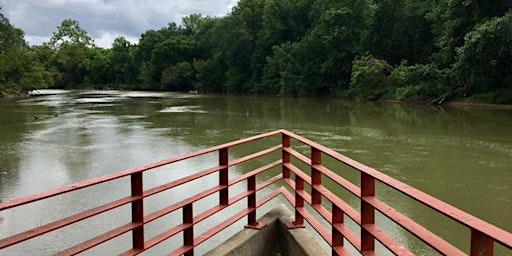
[[179, 182], [255, 155], [100, 239], [324, 170], [391, 244], [323, 232], [223, 225], [110, 177], [349, 234], [255, 172], [422, 233], [63, 222]]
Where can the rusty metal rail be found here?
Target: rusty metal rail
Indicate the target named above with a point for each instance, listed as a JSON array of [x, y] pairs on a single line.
[[482, 240]]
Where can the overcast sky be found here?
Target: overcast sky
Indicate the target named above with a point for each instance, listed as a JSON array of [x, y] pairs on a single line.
[[104, 20]]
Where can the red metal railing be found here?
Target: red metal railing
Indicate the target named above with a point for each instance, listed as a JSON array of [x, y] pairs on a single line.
[[482, 239]]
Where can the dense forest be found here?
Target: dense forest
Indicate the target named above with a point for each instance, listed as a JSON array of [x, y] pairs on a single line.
[[427, 51]]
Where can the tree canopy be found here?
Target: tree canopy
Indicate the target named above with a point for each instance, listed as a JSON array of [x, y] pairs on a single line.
[[418, 50], [20, 67]]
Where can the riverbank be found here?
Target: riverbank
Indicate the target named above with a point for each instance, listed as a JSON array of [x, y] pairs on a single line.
[[5, 95], [459, 103], [465, 104], [473, 104]]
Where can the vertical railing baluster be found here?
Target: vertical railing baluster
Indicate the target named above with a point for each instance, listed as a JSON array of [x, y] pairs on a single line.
[[251, 204], [299, 185], [286, 156], [137, 190], [251, 201], [337, 237], [367, 212], [481, 244], [188, 233], [299, 203], [224, 176], [316, 176]]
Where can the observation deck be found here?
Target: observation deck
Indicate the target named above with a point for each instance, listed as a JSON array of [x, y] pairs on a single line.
[[292, 170]]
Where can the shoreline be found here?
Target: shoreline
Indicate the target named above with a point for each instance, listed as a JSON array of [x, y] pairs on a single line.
[[467, 104], [461, 103], [5, 95]]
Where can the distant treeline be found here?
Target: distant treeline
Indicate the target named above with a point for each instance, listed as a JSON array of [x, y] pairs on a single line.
[[413, 50]]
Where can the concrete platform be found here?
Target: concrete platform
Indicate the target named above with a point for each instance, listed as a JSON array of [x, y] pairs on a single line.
[[274, 239]]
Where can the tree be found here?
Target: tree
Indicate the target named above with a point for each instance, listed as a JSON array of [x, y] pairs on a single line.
[[10, 36], [121, 60], [172, 51], [452, 20], [232, 48], [152, 52], [72, 47], [20, 69], [70, 33], [101, 70], [400, 31], [484, 62], [370, 77]]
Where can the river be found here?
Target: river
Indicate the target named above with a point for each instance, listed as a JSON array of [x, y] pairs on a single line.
[[460, 155]]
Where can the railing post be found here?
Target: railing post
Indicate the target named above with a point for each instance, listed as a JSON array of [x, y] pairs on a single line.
[[299, 204], [286, 156], [188, 233], [367, 212], [137, 190], [337, 237], [251, 204], [224, 176], [316, 176], [481, 244]]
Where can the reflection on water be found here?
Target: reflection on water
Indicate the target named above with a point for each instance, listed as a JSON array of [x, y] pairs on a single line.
[[462, 156]]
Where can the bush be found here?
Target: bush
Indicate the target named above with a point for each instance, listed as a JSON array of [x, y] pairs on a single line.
[[417, 83], [370, 77], [483, 62]]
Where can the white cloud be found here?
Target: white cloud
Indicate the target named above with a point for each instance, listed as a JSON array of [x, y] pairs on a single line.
[[105, 19], [106, 39], [36, 40]]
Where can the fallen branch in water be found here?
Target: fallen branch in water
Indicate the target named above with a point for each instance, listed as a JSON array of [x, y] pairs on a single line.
[[440, 100]]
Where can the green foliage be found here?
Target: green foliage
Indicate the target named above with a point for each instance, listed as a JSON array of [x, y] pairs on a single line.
[[10, 36], [401, 31], [411, 50], [209, 76], [70, 33], [20, 68], [452, 20], [179, 77], [484, 62], [370, 77], [21, 71], [70, 51], [283, 74], [121, 59], [319, 63], [100, 70], [417, 82], [146, 76], [171, 51]]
